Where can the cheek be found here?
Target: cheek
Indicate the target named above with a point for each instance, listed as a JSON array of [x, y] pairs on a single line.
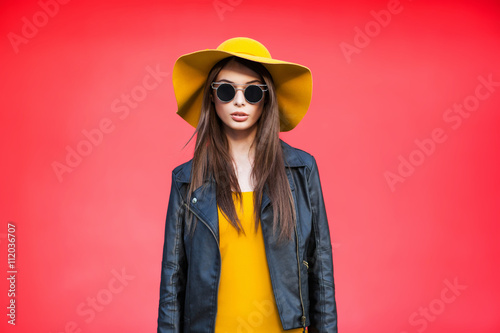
[[259, 110], [219, 109]]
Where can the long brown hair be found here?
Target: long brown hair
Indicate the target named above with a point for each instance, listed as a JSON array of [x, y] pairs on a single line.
[[212, 158]]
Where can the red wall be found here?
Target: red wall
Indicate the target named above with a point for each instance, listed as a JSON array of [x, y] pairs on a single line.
[[404, 124]]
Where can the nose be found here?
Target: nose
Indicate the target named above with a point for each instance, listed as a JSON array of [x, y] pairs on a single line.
[[239, 98]]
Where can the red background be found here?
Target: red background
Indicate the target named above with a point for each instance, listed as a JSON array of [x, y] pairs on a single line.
[[396, 247]]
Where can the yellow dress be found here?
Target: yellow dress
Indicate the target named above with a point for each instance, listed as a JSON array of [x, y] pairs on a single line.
[[245, 299]]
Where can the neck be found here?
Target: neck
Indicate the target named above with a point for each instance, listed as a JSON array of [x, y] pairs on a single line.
[[240, 144]]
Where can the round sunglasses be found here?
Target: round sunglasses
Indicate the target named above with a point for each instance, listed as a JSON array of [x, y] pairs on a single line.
[[226, 91]]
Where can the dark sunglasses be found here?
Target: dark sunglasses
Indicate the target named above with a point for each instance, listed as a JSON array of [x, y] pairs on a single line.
[[226, 91]]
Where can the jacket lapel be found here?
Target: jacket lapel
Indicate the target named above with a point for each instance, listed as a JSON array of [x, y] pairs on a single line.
[[205, 204]]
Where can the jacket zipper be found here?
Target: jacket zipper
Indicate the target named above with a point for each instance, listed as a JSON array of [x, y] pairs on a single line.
[[303, 318], [218, 250]]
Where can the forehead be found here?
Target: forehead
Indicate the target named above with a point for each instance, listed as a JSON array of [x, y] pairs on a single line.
[[238, 73]]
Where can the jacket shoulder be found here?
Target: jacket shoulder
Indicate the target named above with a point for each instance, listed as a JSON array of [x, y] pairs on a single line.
[[182, 173], [295, 157]]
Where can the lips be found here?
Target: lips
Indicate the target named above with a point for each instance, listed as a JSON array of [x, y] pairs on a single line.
[[239, 116]]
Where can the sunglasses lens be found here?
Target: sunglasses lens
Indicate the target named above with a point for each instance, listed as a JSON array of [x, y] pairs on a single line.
[[253, 94], [225, 92]]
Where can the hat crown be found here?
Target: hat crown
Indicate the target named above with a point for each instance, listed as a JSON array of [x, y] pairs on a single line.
[[245, 45]]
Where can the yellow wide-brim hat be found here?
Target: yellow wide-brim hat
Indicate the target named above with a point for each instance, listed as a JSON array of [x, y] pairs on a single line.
[[293, 82]]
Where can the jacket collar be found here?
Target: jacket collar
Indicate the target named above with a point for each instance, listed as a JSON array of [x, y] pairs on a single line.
[[206, 206], [291, 157]]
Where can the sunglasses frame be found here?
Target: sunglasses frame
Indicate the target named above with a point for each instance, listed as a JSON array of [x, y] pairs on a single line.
[[236, 89]]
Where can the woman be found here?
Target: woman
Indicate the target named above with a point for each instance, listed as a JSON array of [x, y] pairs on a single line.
[[247, 244]]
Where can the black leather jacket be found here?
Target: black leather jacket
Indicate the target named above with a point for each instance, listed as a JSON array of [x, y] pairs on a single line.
[[301, 271]]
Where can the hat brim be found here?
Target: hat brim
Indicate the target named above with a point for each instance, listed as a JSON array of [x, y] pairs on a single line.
[[293, 85]]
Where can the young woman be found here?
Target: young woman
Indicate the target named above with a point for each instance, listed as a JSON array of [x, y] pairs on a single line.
[[247, 243]]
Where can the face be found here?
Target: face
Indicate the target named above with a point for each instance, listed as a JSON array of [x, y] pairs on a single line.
[[238, 116]]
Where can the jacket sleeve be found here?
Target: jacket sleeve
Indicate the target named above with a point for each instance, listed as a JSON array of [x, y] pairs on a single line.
[[323, 309], [174, 267]]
